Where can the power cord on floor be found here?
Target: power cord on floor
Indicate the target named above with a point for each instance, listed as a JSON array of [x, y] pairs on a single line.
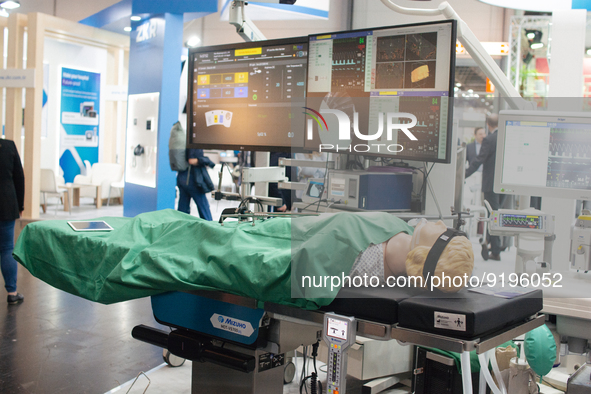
[[315, 384]]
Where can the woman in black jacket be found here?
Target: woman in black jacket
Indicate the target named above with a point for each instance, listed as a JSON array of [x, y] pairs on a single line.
[[12, 198], [195, 183]]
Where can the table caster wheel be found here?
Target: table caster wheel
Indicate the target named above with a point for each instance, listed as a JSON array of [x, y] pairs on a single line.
[[171, 359], [289, 372]]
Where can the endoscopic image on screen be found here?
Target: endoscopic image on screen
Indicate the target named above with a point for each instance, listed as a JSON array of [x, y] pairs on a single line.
[[390, 75], [421, 46], [419, 75], [391, 48]]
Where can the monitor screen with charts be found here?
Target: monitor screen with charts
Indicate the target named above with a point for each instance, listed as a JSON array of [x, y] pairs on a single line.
[[368, 74], [546, 154], [241, 95]]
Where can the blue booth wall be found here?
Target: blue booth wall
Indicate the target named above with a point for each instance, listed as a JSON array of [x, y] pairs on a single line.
[[155, 66]]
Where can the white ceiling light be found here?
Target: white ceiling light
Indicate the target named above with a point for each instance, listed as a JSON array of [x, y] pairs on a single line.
[[589, 51], [127, 28], [531, 35], [10, 4], [532, 5], [136, 18], [537, 45], [4, 13], [193, 42]]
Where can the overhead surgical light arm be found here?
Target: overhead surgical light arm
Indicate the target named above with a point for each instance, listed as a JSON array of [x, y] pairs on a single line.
[[475, 49], [244, 26]]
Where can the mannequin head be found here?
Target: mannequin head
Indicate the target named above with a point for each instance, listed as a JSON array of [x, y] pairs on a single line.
[[457, 258]]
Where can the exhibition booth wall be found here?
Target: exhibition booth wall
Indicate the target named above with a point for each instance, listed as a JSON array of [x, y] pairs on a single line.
[[39, 44]]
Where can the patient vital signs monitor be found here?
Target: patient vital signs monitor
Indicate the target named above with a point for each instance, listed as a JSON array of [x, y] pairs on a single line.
[[403, 69], [240, 95], [545, 154]]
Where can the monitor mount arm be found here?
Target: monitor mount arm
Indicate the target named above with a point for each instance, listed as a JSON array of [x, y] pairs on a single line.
[[244, 26], [475, 49]]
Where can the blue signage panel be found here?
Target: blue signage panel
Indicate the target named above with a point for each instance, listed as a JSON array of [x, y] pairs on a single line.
[[79, 120]]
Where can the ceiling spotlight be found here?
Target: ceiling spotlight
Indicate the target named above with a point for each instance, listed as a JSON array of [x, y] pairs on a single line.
[[588, 51], [459, 85], [4, 13], [127, 29], [136, 18], [535, 39], [193, 42], [10, 4]]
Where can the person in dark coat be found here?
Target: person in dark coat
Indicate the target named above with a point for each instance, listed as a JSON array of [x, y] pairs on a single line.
[[12, 201], [487, 158], [195, 183], [473, 148]]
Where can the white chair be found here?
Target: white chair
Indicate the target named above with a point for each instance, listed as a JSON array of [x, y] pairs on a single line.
[[118, 185], [101, 174], [87, 168], [49, 188]]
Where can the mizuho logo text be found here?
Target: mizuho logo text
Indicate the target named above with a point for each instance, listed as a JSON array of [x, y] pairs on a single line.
[[231, 322], [344, 131]]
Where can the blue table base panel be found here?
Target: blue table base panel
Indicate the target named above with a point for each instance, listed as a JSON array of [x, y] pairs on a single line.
[[207, 316]]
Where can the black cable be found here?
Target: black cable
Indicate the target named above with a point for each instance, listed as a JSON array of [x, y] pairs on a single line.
[[324, 183], [243, 207], [316, 202], [316, 385], [302, 380], [424, 185]]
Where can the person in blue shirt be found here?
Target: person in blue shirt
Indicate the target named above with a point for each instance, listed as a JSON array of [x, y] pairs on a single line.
[[195, 183]]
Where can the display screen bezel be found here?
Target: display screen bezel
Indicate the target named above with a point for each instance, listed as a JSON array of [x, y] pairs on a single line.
[[190, 99], [452, 65], [505, 187]]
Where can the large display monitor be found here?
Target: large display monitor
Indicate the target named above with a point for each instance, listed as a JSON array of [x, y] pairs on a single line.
[[240, 95], [403, 69], [546, 154]]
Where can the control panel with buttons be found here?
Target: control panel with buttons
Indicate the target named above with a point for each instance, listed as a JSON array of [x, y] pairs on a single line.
[[339, 334]]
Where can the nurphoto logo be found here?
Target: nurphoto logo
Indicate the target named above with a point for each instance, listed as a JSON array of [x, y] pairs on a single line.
[[393, 122]]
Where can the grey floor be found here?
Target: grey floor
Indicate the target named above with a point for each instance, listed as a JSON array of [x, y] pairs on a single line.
[[164, 379]]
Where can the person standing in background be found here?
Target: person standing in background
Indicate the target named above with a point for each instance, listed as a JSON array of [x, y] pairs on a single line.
[[473, 148], [195, 183], [487, 158], [12, 201]]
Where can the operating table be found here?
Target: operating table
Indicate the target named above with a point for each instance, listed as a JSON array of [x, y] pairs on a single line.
[[243, 336], [240, 344]]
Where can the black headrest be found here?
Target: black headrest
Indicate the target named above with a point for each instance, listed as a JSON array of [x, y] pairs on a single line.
[[436, 250]]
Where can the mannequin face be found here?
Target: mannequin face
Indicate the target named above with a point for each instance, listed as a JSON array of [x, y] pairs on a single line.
[[426, 233]]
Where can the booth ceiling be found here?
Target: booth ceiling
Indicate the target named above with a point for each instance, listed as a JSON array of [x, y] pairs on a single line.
[[541, 5]]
